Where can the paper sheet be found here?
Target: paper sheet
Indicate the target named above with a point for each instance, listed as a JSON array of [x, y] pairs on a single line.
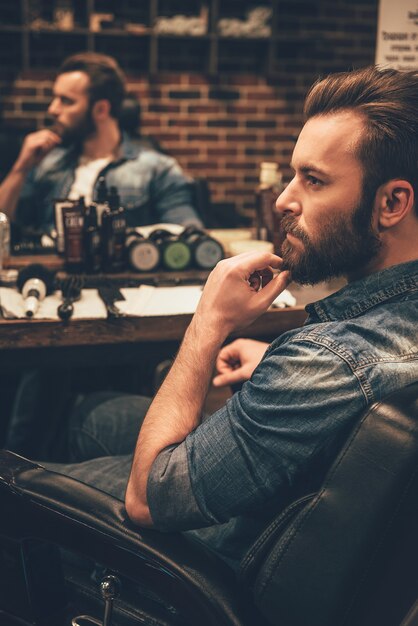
[[149, 301]]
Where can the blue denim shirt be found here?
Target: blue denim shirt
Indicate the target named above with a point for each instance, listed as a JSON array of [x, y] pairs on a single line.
[[152, 186], [276, 438]]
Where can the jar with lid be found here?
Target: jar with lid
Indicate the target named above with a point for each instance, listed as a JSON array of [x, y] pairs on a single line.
[[175, 253], [143, 254]]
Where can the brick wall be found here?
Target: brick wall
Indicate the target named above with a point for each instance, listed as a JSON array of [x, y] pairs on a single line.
[[222, 127]]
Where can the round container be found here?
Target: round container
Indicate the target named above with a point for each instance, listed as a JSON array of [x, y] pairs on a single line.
[[206, 251], [176, 255], [143, 255], [227, 235]]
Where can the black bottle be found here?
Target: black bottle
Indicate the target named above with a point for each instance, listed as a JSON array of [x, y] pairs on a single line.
[[92, 256], [101, 199], [113, 234], [73, 220]]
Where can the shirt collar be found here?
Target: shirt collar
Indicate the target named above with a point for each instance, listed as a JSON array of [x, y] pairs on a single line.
[[129, 148], [360, 295]]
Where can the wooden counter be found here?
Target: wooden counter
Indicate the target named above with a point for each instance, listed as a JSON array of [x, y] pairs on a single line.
[[122, 340]]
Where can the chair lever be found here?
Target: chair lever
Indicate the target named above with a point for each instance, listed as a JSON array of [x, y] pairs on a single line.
[[110, 589]]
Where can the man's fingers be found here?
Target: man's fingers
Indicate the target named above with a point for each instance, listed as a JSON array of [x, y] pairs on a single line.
[[233, 376], [274, 288]]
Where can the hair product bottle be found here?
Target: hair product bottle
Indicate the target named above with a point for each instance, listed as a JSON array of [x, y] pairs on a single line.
[[113, 233], [73, 220], [267, 221], [92, 256], [101, 199]]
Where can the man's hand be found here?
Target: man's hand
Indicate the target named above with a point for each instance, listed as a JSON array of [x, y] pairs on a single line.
[[238, 291], [35, 147], [237, 361]]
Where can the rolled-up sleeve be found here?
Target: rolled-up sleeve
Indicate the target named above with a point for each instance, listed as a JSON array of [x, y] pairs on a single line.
[[169, 493]]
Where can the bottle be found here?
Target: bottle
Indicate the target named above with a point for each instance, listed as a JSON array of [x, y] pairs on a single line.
[[143, 255], [267, 221], [4, 239], [206, 251], [101, 199], [73, 220], [59, 206], [113, 233], [92, 257]]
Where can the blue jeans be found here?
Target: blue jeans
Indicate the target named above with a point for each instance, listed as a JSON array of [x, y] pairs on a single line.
[[103, 431]]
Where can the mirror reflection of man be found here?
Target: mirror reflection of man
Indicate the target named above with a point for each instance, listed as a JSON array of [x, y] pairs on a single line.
[[85, 142]]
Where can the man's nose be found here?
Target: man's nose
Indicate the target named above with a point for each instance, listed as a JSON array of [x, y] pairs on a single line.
[[53, 108], [288, 201]]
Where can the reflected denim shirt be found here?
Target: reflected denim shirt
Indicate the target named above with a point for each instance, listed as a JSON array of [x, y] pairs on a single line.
[[276, 438], [151, 185]]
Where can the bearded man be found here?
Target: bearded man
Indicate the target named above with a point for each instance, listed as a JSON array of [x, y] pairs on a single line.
[[86, 142], [349, 210]]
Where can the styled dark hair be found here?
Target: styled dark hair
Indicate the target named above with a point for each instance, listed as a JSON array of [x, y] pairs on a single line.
[[388, 101], [107, 81]]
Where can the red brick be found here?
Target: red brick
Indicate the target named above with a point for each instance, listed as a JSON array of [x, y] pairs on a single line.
[[222, 151], [204, 108]]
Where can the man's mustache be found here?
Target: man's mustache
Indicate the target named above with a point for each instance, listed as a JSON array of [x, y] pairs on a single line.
[[290, 226]]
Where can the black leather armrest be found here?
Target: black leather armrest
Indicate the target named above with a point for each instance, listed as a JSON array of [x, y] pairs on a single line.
[[47, 505]]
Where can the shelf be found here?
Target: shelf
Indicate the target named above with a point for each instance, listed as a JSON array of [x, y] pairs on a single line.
[[164, 51]]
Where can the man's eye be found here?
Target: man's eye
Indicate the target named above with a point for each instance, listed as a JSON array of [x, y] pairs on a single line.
[[66, 101], [313, 181]]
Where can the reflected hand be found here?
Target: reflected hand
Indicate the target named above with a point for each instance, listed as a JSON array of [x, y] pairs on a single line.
[[35, 147], [237, 361]]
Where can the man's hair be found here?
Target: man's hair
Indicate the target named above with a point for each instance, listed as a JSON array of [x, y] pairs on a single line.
[[107, 81], [388, 101]]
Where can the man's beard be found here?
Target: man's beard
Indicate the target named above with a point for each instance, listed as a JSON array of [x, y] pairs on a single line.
[[78, 133], [346, 245]]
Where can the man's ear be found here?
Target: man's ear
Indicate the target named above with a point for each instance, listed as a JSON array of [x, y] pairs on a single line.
[[394, 201], [101, 109]]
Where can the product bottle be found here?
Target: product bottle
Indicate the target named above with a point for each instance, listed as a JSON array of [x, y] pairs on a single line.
[[73, 220], [101, 199], [92, 257], [267, 221], [4, 239], [113, 234]]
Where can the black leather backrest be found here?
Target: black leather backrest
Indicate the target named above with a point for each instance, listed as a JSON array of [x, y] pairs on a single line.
[[49, 506], [350, 556]]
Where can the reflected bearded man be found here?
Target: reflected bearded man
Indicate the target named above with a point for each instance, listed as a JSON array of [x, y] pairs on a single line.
[[87, 141]]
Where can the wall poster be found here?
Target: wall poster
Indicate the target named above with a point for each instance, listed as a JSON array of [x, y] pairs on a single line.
[[397, 34]]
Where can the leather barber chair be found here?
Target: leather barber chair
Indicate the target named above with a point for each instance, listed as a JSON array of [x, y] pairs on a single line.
[[346, 555]]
